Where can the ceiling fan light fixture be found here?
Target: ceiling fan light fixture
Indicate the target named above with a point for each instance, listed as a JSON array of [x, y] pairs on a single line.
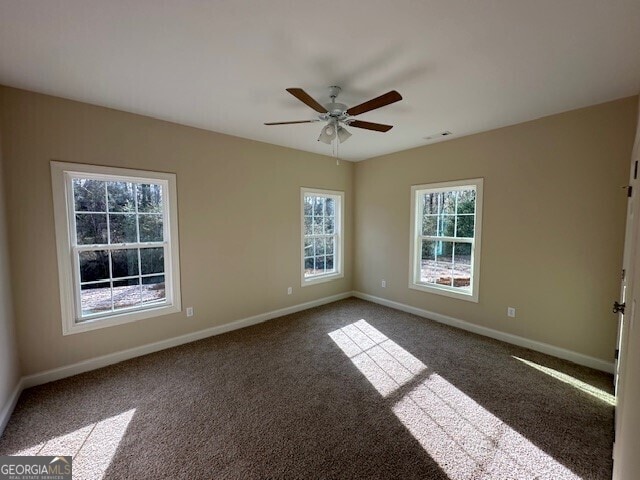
[[327, 134], [343, 134]]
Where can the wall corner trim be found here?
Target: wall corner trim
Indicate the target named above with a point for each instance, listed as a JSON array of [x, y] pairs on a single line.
[[116, 357], [552, 350], [7, 408]]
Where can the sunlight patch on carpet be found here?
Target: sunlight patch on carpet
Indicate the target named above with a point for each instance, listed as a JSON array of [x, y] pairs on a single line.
[[387, 365], [92, 446], [574, 382], [466, 440]]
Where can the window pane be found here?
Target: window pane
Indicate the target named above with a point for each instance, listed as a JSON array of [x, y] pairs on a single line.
[[91, 228], [126, 293], [329, 263], [429, 250], [308, 205], [448, 200], [151, 228], [318, 225], [462, 266], [153, 289], [430, 225], [308, 247], [464, 226], [123, 228], [330, 207], [152, 260], [318, 206], [308, 222], [124, 263], [149, 198], [314, 266], [95, 298], [447, 226], [427, 261], [319, 246], [328, 225], [121, 197], [89, 195], [435, 262], [308, 266], [438, 226], [466, 201], [430, 204], [329, 246], [94, 265]]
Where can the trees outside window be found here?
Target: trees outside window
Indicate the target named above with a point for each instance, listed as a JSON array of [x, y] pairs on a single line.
[[445, 238], [322, 240], [117, 244]]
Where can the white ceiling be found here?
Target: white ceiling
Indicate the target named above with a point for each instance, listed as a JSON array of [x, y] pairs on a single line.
[[461, 65]]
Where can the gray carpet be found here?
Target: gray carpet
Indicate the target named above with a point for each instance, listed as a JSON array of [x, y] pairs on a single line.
[[346, 390]]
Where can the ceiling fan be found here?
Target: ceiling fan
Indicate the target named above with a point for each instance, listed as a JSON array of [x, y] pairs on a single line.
[[338, 114]]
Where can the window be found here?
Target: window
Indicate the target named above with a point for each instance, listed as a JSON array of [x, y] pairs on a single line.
[[322, 239], [445, 238], [117, 240]]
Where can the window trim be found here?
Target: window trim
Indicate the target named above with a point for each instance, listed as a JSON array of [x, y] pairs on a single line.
[[414, 284], [61, 177], [338, 259]]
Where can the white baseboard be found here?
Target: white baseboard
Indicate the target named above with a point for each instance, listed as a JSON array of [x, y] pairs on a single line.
[[110, 359], [8, 407], [572, 356]]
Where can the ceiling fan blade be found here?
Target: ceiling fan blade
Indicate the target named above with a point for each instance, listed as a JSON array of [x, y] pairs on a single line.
[[378, 127], [386, 99], [289, 123], [305, 98]]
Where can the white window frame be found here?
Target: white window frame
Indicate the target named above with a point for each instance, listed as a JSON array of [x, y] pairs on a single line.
[[416, 239], [338, 252], [62, 174]]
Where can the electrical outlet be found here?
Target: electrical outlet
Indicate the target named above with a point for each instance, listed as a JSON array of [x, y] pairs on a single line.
[[384, 284], [511, 312], [189, 311], [289, 290]]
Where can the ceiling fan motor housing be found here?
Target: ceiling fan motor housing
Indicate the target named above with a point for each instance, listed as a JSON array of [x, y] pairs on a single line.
[[336, 109]]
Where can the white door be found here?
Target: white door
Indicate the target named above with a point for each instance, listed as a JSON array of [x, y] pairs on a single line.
[[626, 461], [630, 247]]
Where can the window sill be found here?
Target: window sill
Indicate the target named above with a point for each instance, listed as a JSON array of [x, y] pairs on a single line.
[[71, 327], [321, 279], [445, 292]]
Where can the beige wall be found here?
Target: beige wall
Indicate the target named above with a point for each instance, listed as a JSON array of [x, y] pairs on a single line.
[[9, 367], [238, 204], [553, 224]]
